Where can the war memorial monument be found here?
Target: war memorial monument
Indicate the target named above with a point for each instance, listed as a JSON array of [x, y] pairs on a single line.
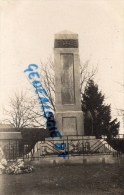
[[68, 113]]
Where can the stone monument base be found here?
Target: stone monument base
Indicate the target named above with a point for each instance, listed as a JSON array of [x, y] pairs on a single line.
[[70, 122]]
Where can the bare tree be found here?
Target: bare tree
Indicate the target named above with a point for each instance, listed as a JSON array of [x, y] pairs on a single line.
[[86, 74], [23, 112], [48, 80]]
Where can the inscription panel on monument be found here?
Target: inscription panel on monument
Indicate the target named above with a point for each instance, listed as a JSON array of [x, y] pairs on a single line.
[[69, 125], [67, 79], [66, 43]]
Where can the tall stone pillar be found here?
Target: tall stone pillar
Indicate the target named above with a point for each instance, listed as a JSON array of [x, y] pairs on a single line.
[[68, 115]]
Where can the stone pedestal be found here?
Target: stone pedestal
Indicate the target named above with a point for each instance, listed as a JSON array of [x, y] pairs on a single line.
[[68, 113], [70, 122]]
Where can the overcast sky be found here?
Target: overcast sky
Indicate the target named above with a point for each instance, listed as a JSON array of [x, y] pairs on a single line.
[[27, 36]]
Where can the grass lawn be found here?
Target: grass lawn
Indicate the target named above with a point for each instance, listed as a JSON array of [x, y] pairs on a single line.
[[89, 179]]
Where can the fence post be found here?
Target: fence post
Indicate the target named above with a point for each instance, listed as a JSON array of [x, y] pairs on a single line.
[[16, 150], [67, 146], [9, 150]]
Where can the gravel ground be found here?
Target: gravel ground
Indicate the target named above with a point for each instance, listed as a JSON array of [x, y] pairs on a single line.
[[90, 179]]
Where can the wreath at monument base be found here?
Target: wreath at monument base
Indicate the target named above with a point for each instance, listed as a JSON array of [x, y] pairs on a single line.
[[17, 167]]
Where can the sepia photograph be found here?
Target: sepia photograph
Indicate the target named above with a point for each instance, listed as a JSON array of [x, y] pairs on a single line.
[[61, 97]]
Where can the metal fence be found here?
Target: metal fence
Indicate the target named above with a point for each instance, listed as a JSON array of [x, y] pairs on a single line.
[[66, 147]]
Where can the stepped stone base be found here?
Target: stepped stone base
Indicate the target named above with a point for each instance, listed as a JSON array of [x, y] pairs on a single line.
[[75, 146]]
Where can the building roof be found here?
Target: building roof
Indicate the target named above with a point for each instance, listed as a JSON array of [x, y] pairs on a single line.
[[8, 128], [10, 136], [2, 126]]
